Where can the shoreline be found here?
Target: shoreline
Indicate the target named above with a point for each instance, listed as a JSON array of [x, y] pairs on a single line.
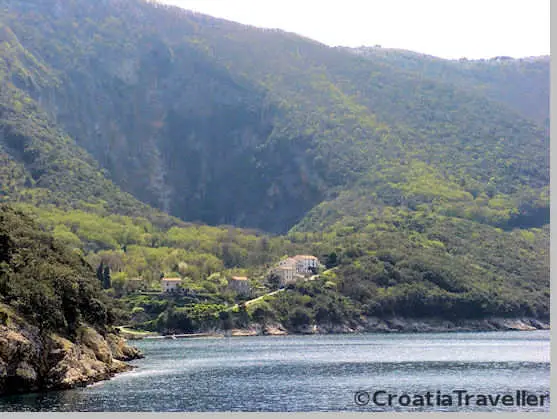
[[119, 352], [370, 325]]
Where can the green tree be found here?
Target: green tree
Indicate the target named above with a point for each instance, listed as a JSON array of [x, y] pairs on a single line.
[[107, 283], [100, 273], [331, 260]]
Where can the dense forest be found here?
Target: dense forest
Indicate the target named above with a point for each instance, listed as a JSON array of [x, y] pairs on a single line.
[[44, 280], [56, 324], [521, 84], [152, 140]]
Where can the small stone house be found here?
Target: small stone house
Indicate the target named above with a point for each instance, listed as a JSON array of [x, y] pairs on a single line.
[[170, 284], [288, 275]]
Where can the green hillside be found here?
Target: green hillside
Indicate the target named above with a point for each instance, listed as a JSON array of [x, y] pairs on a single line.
[[45, 281], [212, 121], [522, 84], [41, 164], [56, 324], [153, 139], [390, 262]]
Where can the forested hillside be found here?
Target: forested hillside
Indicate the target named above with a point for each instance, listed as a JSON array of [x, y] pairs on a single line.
[[390, 262], [40, 162], [133, 132], [522, 84], [214, 121], [44, 281]]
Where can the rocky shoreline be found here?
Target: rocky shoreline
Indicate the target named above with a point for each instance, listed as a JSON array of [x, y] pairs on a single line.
[[399, 325], [372, 325], [31, 362]]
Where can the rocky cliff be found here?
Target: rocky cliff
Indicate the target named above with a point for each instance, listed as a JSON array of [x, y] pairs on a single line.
[[31, 361]]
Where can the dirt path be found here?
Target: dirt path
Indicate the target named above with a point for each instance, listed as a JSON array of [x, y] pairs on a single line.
[[247, 303]]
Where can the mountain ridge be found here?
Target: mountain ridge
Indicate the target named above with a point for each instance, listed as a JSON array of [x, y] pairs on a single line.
[[278, 115], [465, 73]]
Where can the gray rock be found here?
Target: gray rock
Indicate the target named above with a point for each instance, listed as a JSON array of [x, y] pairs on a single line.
[[30, 361]]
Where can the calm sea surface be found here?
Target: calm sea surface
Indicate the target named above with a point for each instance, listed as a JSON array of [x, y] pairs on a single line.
[[313, 373]]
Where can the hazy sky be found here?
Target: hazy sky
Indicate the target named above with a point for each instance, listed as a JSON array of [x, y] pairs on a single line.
[[445, 28]]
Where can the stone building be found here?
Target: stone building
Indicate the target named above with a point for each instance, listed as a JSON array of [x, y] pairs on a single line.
[[170, 284], [296, 268]]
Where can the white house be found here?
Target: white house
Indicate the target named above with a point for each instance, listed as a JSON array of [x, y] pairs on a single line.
[[170, 284], [306, 263], [292, 269]]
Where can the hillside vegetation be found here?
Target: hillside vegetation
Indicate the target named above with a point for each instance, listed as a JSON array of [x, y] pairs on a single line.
[[392, 262], [221, 123], [153, 140], [45, 281], [522, 84]]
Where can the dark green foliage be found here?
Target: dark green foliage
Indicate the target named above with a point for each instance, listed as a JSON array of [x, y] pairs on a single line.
[[273, 280], [263, 314], [300, 317], [413, 263], [100, 273], [226, 319], [331, 260], [313, 303], [190, 319], [242, 316], [106, 277], [49, 284]]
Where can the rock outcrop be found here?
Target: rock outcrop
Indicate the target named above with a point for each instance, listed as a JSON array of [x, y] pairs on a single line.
[[30, 361]]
